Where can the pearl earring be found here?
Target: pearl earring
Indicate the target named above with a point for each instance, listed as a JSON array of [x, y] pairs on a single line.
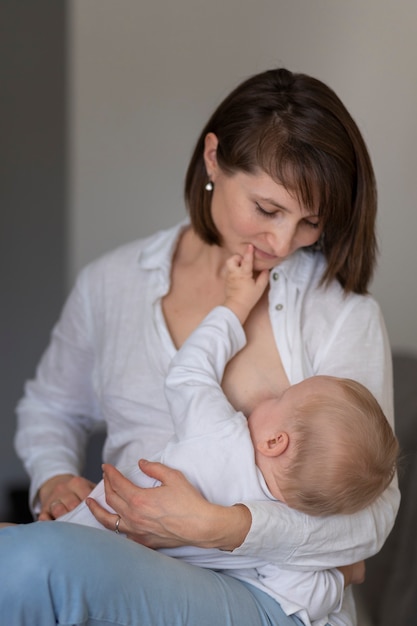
[[209, 186]]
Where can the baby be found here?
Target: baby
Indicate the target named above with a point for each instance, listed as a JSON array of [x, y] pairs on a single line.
[[323, 447]]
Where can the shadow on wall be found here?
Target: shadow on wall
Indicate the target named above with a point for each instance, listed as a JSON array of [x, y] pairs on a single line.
[[33, 200], [389, 593]]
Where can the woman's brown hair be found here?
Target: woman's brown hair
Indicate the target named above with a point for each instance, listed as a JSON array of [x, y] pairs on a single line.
[[297, 130]]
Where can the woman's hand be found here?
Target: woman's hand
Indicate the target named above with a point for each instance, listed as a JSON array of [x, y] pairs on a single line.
[[353, 574], [61, 494], [171, 515]]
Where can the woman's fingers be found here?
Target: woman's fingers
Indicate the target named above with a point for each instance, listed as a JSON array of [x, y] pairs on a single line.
[[169, 515], [159, 471], [61, 494], [103, 515], [152, 516], [56, 509], [119, 489]]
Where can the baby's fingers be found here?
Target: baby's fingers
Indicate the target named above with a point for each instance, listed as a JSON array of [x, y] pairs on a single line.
[[234, 262], [247, 260], [262, 280]]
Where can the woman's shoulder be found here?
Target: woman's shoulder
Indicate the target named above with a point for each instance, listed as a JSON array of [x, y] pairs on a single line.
[[154, 251]]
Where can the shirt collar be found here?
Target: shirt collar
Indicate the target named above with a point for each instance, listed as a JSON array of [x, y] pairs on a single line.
[[158, 251], [302, 266]]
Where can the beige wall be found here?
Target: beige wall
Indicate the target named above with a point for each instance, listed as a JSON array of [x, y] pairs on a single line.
[[145, 74]]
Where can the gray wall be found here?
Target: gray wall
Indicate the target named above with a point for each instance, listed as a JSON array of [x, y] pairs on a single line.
[[32, 200]]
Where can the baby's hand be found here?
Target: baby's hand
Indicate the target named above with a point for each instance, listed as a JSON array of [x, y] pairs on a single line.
[[243, 289]]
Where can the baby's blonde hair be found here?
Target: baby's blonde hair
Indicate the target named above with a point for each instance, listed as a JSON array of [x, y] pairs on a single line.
[[345, 453]]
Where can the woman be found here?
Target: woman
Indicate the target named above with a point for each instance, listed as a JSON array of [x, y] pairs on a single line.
[[282, 166]]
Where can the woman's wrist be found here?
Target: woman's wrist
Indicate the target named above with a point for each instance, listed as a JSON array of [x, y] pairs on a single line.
[[227, 527]]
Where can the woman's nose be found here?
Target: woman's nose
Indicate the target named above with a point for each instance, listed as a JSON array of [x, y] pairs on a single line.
[[281, 241]]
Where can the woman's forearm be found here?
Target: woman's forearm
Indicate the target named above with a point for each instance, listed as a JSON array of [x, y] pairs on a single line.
[[176, 514], [287, 537], [228, 528]]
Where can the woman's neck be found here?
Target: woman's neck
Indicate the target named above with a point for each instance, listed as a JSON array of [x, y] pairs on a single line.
[[197, 285], [193, 251]]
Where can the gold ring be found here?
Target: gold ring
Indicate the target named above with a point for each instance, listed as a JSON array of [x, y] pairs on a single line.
[[54, 503], [116, 530]]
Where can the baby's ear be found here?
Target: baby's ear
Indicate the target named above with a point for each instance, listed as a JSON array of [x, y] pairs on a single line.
[[275, 445]]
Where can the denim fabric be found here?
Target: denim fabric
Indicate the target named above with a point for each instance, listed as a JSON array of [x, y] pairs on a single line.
[[68, 574]]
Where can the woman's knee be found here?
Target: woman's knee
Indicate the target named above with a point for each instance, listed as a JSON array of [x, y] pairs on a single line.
[[23, 545], [39, 550]]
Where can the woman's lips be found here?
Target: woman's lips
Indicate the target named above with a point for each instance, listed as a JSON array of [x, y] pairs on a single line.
[[261, 254]]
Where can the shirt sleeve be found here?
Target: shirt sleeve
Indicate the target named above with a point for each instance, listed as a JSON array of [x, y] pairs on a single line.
[[58, 410], [353, 345], [197, 402]]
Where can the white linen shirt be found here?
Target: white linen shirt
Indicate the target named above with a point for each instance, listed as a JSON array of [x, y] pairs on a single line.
[[109, 356]]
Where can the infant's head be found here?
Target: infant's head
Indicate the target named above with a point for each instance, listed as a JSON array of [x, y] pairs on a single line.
[[326, 445]]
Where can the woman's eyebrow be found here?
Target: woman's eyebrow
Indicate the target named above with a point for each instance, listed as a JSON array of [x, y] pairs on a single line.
[[275, 204]]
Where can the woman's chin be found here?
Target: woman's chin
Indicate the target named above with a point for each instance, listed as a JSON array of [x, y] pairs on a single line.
[[264, 264]]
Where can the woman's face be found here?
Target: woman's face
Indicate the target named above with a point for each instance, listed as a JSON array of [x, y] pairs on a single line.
[[254, 209]]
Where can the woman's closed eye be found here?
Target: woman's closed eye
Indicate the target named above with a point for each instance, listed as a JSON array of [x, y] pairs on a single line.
[[311, 223], [264, 212]]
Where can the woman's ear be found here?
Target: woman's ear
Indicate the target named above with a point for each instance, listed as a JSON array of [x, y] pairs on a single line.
[[210, 155], [275, 445]]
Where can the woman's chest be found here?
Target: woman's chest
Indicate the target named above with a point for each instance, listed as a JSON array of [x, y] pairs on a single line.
[[256, 372]]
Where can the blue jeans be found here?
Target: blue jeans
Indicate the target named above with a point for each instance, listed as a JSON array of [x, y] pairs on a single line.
[[71, 575]]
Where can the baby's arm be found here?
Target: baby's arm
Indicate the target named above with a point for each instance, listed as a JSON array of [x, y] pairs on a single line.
[[313, 596], [197, 403], [323, 590], [242, 288]]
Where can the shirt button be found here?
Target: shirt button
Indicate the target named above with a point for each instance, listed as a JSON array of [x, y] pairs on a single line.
[[275, 276], [279, 307]]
